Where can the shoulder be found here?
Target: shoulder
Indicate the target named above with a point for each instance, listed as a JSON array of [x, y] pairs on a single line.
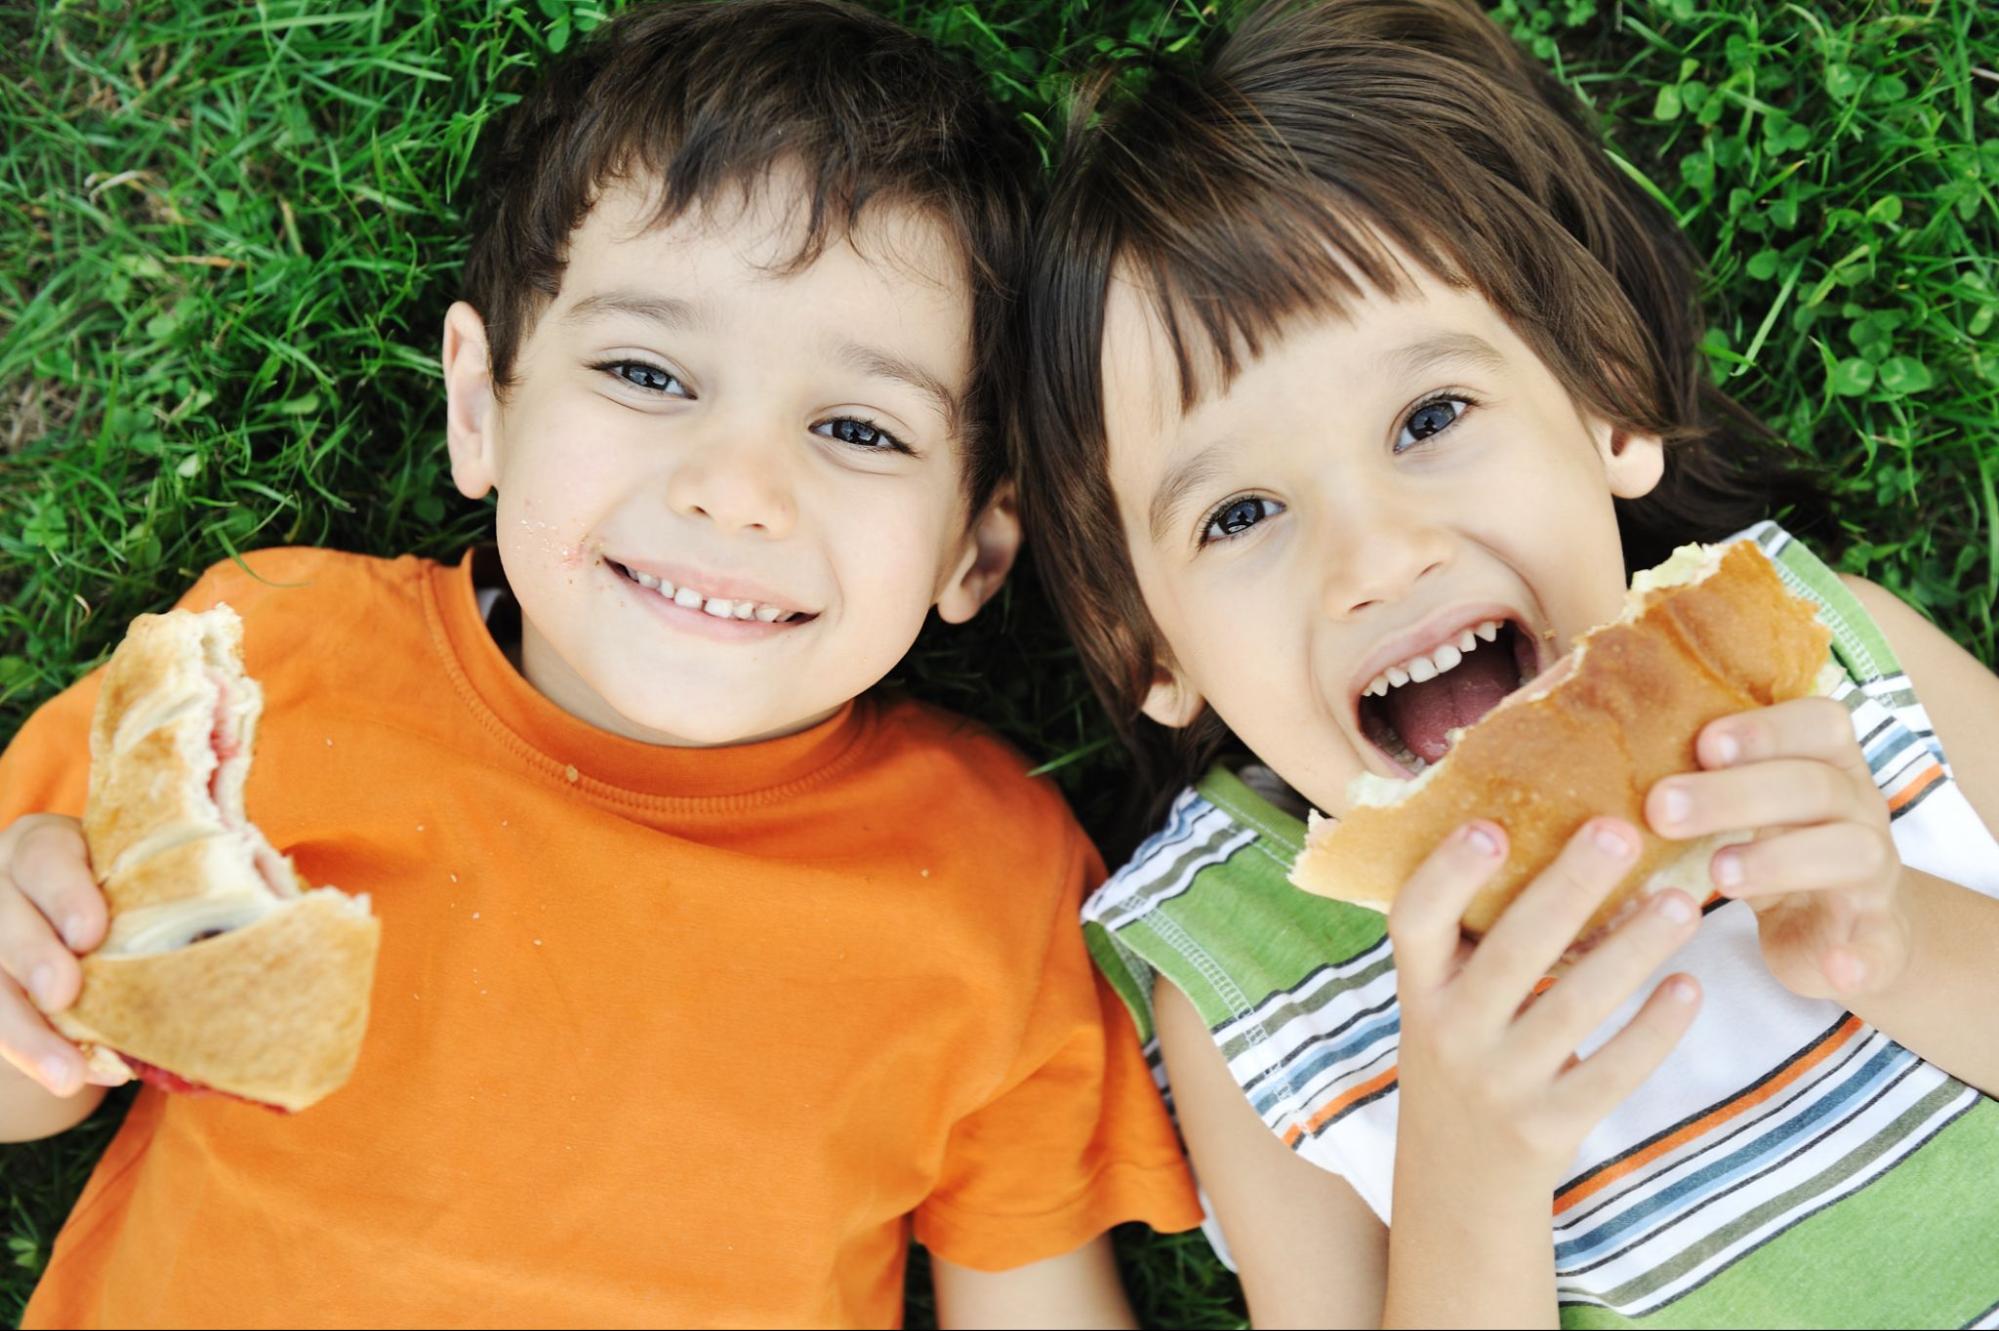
[[967, 771], [297, 577]]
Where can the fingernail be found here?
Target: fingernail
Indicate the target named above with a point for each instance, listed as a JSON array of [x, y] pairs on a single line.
[[1676, 805], [1680, 991], [1611, 841], [58, 1075], [1727, 871], [42, 981], [1482, 841], [1676, 908], [1725, 747], [72, 932]]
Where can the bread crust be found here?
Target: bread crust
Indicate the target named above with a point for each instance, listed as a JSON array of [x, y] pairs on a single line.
[[1593, 745], [274, 1011], [274, 1008]]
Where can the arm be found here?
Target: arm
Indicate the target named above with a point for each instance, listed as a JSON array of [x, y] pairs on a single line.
[[1078, 1289], [1308, 1249], [1944, 1007]]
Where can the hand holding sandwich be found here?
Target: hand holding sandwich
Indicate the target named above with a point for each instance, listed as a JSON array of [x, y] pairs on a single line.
[[50, 910], [1822, 873], [1493, 1102]]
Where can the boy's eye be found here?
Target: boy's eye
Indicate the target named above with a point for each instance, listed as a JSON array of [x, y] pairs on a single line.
[[1432, 418], [861, 434], [1238, 516], [651, 378]]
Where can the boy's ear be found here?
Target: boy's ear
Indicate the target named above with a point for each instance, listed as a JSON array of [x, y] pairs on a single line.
[[470, 415], [1633, 463], [1170, 701], [991, 543]]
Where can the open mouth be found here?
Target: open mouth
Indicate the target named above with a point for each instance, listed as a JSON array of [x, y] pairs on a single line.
[[1413, 710], [718, 607]]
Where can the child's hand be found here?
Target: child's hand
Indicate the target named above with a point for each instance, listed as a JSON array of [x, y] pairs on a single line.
[[50, 909], [1493, 1098], [1822, 874]]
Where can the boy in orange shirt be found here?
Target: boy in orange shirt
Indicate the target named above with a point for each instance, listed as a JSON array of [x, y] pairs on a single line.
[[705, 976]]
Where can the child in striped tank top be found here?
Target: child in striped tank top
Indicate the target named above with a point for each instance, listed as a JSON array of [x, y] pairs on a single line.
[[1361, 377]]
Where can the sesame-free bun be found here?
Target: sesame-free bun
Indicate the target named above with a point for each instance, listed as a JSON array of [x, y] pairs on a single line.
[[219, 967], [1709, 633]]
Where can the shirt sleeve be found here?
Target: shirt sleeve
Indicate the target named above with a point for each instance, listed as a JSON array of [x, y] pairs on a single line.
[[1076, 1140]]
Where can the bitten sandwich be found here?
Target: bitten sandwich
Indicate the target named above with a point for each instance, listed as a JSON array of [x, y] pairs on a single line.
[[1709, 633], [221, 970]]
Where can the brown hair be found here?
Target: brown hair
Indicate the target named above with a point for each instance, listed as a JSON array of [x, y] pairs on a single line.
[[1259, 184], [707, 98]]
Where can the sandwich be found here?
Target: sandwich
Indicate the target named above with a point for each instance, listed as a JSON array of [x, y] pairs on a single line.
[[221, 970], [1711, 632]]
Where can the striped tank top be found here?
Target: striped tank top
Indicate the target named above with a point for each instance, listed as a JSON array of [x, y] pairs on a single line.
[[1788, 1165]]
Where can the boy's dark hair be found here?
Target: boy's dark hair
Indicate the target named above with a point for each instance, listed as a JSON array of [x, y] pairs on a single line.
[[707, 98], [1254, 187]]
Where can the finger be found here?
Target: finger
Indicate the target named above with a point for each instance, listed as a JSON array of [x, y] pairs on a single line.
[[1816, 728], [1876, 951], [1423, 923], [1783, 792], [27, 1042], [1839, 855], [1607, 1078], [51, 867], [1543, 920], [33, 957], [1546, 1035]]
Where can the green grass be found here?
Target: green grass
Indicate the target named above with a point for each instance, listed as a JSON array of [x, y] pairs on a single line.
[[227, 234]]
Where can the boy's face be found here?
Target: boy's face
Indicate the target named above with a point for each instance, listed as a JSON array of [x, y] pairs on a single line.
[[729, 496], [1365, 495]]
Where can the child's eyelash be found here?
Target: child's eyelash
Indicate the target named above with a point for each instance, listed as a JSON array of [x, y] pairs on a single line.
[[614, 368], [1465, 402]]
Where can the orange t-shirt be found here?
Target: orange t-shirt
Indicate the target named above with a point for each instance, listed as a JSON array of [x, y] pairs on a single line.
[[659, 1036]]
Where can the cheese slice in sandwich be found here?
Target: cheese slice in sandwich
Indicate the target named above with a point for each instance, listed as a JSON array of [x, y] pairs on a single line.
[[220, 970], [1710, 632]]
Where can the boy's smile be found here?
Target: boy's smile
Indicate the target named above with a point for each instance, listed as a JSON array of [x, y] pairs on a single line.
[[731, 487], [1385, 524]]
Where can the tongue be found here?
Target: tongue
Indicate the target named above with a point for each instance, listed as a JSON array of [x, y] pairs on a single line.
[[1423, 714]]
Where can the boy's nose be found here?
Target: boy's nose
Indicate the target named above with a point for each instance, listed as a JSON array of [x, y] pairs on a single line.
[[1378, 558], [736, 481]]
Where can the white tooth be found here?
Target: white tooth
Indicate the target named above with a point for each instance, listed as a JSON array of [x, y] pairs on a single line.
[[1488, 630], [1378, 686], [1447, 658], [1467, 641], [746, 610], [1397, 677], [720, 608], [1422, 670], [767, 613], [644, 579], [666, 589], [688, 597]]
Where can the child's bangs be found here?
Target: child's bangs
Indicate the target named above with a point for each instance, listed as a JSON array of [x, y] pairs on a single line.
[[1226, 281]]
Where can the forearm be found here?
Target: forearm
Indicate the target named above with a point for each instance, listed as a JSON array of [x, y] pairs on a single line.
[[1945, 1006], [29, 1113], [1458, 1260]]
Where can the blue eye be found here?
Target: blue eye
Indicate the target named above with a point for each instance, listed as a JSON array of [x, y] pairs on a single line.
[[640, 375], [1429, 420], [861, 434], [1238, 516]]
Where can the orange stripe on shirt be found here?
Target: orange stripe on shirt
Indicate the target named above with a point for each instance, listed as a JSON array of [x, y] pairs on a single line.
[[1347, 1097], [1714, 1118], [1910, 793]]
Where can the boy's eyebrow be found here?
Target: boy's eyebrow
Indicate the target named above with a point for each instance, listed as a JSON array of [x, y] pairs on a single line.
[[886, 365], [1180, 482], [669, 311], [1427, 354]]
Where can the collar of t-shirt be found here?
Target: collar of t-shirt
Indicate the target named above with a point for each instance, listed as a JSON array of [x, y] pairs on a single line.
[[466, 598]]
